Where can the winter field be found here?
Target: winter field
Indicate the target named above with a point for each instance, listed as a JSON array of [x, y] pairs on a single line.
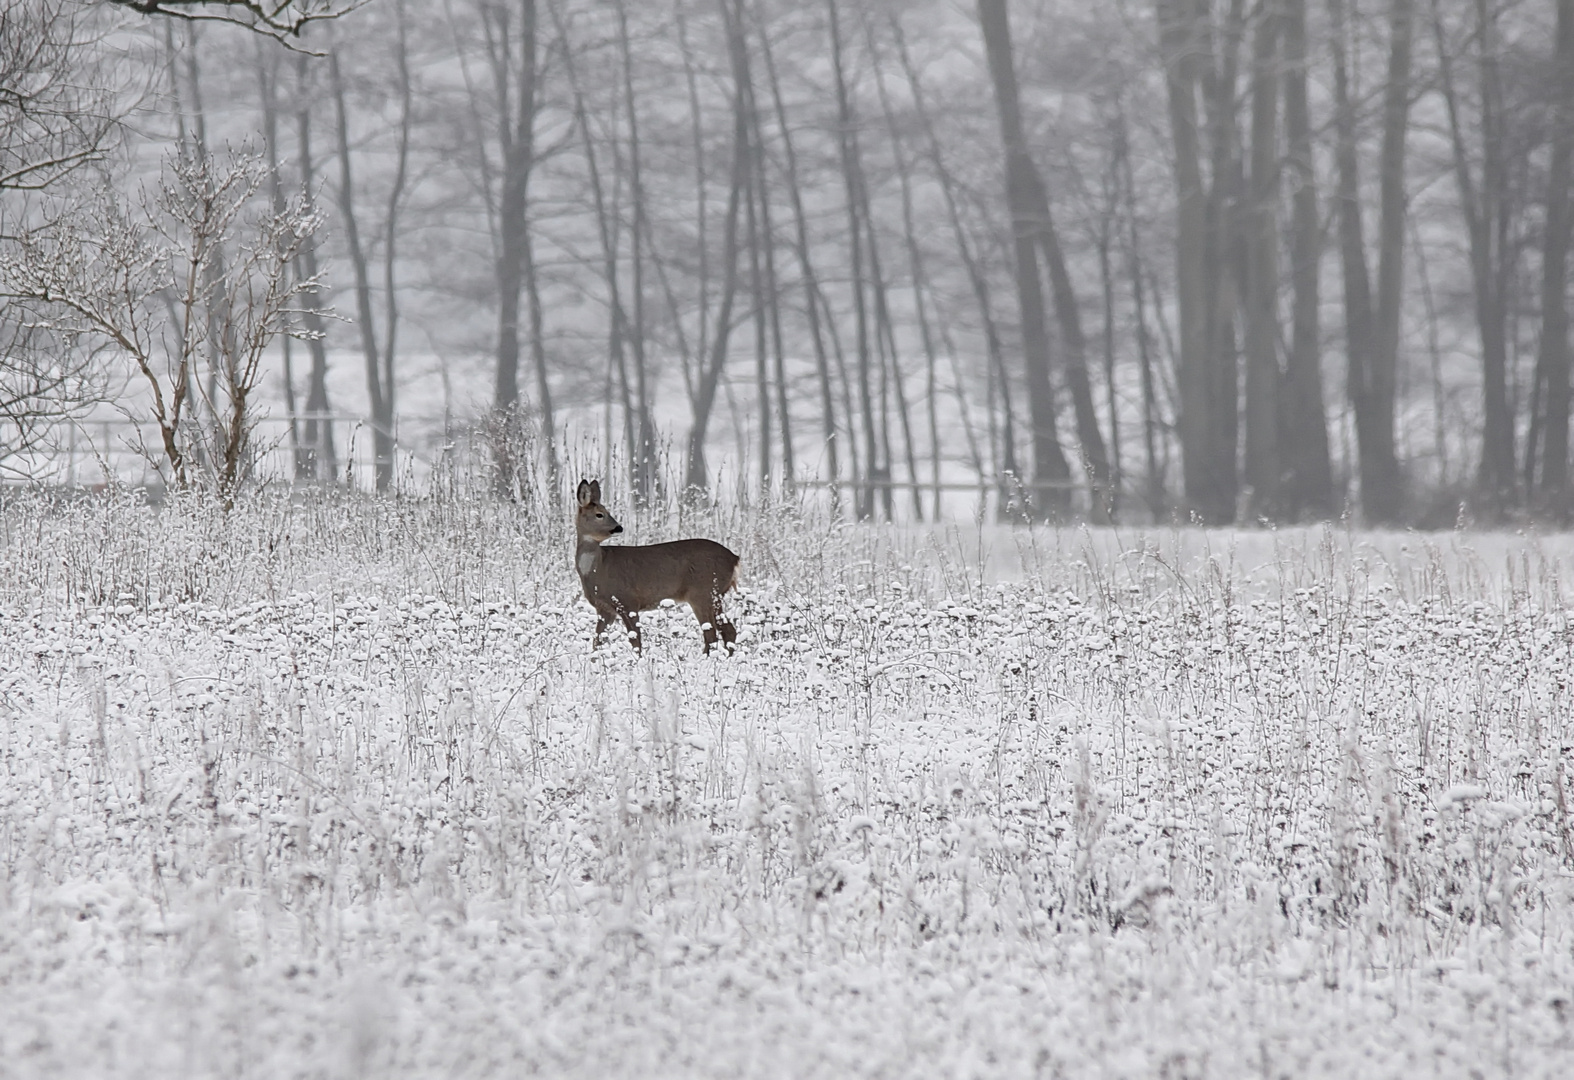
[[335, 788]]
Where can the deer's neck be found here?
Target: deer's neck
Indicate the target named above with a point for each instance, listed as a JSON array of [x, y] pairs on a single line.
[[587, 556]]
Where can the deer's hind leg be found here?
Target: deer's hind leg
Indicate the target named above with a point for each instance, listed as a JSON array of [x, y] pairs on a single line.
[[713, 623]]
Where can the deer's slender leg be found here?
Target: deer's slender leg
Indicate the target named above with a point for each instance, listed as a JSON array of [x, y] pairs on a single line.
[[631, 624], [708, 612], [729, 632], [723, 625]]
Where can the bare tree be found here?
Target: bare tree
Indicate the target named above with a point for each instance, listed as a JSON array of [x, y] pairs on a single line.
[[1553, 361], [504, 109], [877, 466], [643, 452], [1154, 492], [915, 268], [267, 92], [703, 392], [322, 462], [1372, 324], [1492, 204], [809, 277], [1202, 59], [627, 369], [1308, 471], [141, 282], [1024, 195], [1260, 283], [377, 354]]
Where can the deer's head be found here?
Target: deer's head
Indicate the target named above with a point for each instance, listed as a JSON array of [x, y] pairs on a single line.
[[594, 522]]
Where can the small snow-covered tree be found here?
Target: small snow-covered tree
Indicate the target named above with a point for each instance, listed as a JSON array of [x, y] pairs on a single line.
[[192, 285]]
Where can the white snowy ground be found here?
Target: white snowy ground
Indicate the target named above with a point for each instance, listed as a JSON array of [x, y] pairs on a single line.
[[337, 790]]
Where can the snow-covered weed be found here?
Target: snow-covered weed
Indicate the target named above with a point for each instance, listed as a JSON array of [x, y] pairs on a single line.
[[337, 788]]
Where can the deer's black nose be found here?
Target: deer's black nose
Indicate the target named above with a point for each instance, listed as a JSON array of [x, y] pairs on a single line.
[[616, 529]]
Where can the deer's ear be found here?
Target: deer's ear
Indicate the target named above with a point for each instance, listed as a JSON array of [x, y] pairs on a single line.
[[595, 491], [586, 494]]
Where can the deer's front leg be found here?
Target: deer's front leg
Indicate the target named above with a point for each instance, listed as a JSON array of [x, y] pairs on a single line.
[[603, 620]]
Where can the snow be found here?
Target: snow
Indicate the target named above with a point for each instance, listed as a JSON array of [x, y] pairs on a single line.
[[338, 788]]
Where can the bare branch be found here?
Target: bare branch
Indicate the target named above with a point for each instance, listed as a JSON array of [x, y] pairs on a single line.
[[56, 111], [283, 20]]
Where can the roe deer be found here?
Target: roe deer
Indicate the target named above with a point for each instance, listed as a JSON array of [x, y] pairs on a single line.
[[621, 582]]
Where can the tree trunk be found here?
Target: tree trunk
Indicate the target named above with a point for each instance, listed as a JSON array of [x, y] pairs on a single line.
[[1482, 209], [516, 109], [1261, 283], [1372, 333], [317, 433], [643, 452], [1108, 223], [1024, 194], [696, 476], [757, 302], [382, 417], [632, 403], [1205, 286], [391, 224], [1095, 459], [1153, 488], [1308, 471], [810, 280], [1393, 206], [1554, 355], [772, 297], [701, 202], [891, 361], [876, 468], [915, 264], [267, 80]]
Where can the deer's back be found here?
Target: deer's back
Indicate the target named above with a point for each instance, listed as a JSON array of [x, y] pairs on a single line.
[[641, 576]]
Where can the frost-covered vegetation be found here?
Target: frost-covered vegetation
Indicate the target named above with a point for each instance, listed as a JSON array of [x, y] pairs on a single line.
[[336, 788]]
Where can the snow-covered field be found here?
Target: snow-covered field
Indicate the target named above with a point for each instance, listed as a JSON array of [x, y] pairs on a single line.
[[336, 789]]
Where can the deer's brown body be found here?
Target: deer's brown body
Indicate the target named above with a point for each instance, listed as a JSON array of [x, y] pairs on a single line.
[[620, 582]]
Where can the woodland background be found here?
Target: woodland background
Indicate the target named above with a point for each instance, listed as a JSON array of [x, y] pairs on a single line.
[[1234, 261]]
